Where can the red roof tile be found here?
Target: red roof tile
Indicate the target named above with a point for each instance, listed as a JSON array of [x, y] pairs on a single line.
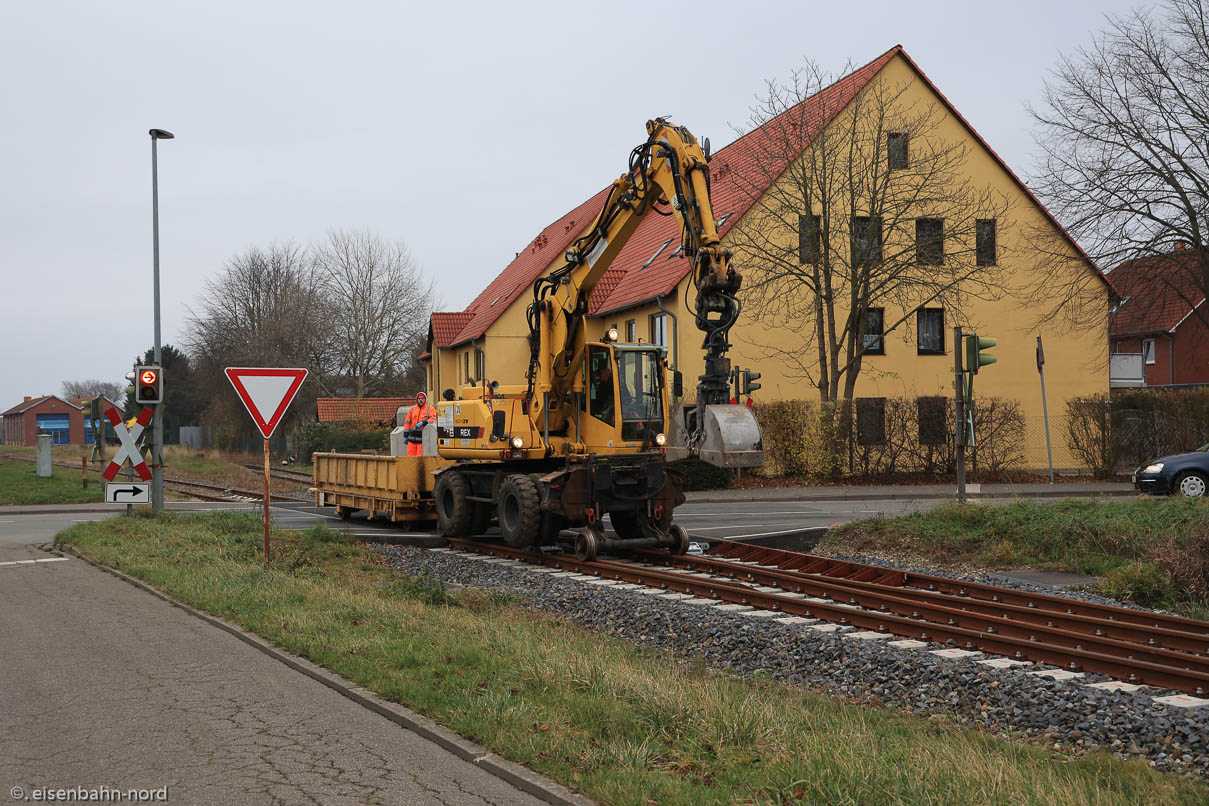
[[1157, 293], [527, 267], [360, 409], [446, 325]]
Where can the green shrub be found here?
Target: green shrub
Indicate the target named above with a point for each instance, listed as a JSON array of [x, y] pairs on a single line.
[[699, 475], [340, 437], [1143, 583]]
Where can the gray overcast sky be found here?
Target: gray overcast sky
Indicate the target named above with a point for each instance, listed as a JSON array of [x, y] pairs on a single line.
[[459, 128]]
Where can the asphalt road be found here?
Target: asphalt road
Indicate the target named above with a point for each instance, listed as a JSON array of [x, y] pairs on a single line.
[[104, 685]]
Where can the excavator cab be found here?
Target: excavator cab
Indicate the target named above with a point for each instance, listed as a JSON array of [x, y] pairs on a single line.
[[624, 397]]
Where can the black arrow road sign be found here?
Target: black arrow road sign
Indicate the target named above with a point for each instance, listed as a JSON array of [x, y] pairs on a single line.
[[127, 492]]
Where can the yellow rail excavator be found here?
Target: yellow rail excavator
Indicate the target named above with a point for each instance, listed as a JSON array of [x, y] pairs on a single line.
[[586, 434]]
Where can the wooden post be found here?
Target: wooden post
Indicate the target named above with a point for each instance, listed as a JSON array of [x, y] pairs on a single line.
[[84, 471], [266, 503]]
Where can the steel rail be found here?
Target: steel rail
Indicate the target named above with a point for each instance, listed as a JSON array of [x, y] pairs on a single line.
[[841, 588], [826, 566], [1153, 672]]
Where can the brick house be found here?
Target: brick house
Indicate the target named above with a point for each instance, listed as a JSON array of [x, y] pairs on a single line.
[[1158, 335], [48, 414]]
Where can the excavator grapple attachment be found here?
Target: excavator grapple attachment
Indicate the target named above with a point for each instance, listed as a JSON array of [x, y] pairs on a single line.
[[731, 437]]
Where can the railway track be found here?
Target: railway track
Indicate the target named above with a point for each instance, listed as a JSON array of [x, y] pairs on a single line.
[[201, 490], [1134, 646], [285, 475]]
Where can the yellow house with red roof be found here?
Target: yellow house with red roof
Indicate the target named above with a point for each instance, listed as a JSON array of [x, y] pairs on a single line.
[[648, 296]]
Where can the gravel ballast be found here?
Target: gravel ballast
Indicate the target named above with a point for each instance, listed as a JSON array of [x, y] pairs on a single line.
[[1069, 716]]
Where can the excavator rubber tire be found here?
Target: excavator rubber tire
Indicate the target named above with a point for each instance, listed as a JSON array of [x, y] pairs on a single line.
[[519, 512], [455, 510]]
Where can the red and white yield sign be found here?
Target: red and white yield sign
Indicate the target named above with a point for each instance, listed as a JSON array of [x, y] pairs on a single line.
[[129, 438], [266, 393]]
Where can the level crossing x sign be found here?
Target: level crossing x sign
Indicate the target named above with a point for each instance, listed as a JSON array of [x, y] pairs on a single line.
[[266, 393], [129, 438]]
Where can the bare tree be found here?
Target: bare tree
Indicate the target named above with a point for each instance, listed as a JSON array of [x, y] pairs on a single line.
[[92, 388], [860, 210], [378, 303], [1124, 137]]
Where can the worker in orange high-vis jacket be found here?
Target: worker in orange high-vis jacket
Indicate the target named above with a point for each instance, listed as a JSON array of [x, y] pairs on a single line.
[[418, 416]]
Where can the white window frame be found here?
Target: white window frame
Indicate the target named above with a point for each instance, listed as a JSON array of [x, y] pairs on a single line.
[[659, 329], [1148, 350]]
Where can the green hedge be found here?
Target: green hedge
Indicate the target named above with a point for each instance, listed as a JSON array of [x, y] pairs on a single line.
[[341, 437]]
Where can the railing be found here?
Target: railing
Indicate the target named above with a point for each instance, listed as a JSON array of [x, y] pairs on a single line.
[[1126, 370]]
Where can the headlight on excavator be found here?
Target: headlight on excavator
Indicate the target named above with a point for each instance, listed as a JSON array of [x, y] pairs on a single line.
[[660, 440], [612, 335], [518, 443]]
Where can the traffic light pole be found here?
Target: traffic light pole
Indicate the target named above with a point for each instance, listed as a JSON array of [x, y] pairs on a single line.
[[959, 401]]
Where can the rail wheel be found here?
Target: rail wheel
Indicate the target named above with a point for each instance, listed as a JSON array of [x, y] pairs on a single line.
[[455, 510], [587, 546], [344, 513], [519, 510], [680, 539]]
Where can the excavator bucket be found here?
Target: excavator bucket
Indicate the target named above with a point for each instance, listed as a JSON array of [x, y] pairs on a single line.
[[731, 437]]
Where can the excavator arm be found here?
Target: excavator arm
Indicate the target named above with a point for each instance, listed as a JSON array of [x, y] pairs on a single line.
[[668, 170]]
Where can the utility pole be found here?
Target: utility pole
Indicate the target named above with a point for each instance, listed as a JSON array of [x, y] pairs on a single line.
[[157, 433], [960, 407]]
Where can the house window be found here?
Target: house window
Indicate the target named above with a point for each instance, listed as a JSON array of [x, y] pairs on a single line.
[[809, 243], [871, 421], [480, 364], [866, 240], [984, 233], [873, 337], [1148, 350], [896, 149], [466, 366], [659, 329], [930, 331], [631, 331], [930, 241]]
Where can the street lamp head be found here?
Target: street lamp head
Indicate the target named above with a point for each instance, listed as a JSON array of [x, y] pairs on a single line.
[[161, 134]]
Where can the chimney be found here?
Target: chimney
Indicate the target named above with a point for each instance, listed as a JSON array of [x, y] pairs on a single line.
[[28, 398], [1181, 246]]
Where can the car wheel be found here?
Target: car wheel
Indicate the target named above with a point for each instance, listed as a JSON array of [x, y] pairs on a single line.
[[1192, 485]]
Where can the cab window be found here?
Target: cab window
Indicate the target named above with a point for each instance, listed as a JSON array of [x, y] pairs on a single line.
[[640, 372], [601, 385]]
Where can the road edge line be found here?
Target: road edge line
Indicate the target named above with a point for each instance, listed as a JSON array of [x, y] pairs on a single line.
[[518, 776]]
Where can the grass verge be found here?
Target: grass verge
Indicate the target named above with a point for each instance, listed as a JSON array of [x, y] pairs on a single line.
[[20, 485], [620, 724], [1152, 550]]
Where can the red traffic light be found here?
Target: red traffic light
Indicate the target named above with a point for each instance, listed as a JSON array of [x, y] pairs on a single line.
[[148, 376]]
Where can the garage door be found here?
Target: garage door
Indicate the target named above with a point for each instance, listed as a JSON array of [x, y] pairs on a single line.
[[57, 425]]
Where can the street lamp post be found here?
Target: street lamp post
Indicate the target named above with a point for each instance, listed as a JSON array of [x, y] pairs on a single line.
[[157, 433]]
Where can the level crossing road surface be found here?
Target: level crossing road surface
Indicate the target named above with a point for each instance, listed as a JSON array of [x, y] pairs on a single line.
[[104, 685]]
